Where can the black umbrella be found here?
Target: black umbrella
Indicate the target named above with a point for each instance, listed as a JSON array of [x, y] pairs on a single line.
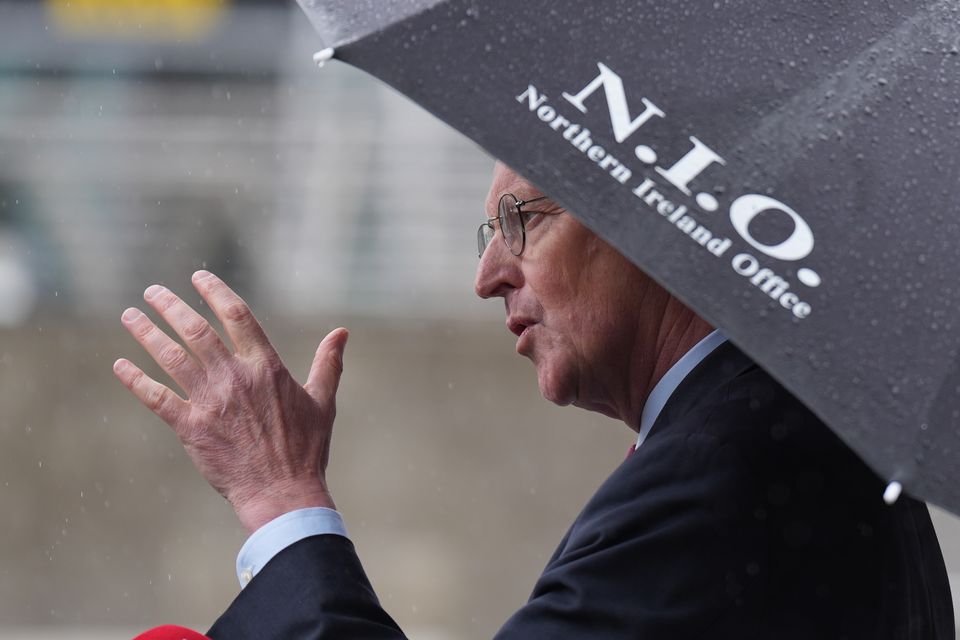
[[790, 171]]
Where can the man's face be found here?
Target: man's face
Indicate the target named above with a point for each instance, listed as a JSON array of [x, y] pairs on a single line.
[[572, 300]]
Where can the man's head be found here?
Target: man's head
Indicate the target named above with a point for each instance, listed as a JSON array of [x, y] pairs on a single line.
[[593, 324]]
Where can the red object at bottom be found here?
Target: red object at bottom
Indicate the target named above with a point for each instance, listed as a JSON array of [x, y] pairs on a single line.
[[171, 632]]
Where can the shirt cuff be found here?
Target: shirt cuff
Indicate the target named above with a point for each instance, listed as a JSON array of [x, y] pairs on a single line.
[[278, 534]]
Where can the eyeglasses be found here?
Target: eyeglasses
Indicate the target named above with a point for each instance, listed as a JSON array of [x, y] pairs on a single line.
[[512, 221]]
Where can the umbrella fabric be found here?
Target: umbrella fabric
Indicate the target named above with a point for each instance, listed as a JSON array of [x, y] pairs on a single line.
[[790, 171], [341, 22]]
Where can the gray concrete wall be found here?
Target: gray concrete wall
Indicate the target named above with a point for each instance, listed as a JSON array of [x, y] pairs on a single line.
[[455, 478]]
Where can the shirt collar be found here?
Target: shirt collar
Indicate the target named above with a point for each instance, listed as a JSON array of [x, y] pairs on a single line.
[[672, 379]]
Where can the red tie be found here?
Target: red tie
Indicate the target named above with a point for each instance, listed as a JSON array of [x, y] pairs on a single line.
[[630, 451]]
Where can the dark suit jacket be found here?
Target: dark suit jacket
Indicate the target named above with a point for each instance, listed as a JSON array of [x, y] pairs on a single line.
[[742, 516]]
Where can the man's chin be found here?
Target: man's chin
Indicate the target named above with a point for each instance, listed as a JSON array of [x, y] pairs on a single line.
[[556, 389]]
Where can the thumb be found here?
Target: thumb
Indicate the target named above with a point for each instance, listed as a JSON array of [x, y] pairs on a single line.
[[324, 376]]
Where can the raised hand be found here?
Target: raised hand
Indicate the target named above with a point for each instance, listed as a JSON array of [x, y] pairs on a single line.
[[259, 438]]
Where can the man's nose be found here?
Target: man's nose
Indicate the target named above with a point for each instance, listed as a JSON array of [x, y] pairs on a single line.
[[497, 271]]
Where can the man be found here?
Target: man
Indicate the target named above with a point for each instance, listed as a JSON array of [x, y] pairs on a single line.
[[739, 515]]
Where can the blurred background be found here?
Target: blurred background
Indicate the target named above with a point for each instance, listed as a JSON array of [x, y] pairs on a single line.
[[140, 141]]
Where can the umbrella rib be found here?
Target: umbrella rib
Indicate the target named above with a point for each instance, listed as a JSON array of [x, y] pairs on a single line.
[[801, 118]]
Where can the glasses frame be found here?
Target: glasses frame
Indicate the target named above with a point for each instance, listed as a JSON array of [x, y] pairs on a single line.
[[483, 243]]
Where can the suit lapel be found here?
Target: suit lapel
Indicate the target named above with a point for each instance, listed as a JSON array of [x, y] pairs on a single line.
[[724, 363]]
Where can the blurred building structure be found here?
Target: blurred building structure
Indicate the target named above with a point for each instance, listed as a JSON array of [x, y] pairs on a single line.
[[139, 139]]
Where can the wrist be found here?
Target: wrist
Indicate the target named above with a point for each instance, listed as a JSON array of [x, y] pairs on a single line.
[[272, 502]]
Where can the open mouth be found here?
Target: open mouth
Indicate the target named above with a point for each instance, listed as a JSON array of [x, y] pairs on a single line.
[[517, 326]]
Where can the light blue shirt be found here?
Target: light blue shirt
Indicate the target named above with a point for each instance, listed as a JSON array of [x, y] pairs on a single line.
[[280, 533], [672, 379]]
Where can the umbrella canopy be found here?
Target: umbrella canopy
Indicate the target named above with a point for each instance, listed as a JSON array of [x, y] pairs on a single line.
[[791, 173]]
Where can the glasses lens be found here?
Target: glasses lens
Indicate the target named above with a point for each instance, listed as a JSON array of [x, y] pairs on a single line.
[[510, 223], [484, 235]]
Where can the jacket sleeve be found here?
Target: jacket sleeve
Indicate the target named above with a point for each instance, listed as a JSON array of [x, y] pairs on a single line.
[[313, 589], [651, 556]]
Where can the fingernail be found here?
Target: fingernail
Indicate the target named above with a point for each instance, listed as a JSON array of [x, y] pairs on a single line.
[[201, 274], [130, 314], [120, 365], [152, 291]]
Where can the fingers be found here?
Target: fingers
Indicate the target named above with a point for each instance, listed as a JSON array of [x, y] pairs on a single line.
[[197, 334], [327, 367], [173, 358], [152, 394], [239, 322]]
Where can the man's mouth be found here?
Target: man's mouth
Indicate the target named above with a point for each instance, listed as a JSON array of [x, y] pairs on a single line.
[[518, 325], [521, 327]]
